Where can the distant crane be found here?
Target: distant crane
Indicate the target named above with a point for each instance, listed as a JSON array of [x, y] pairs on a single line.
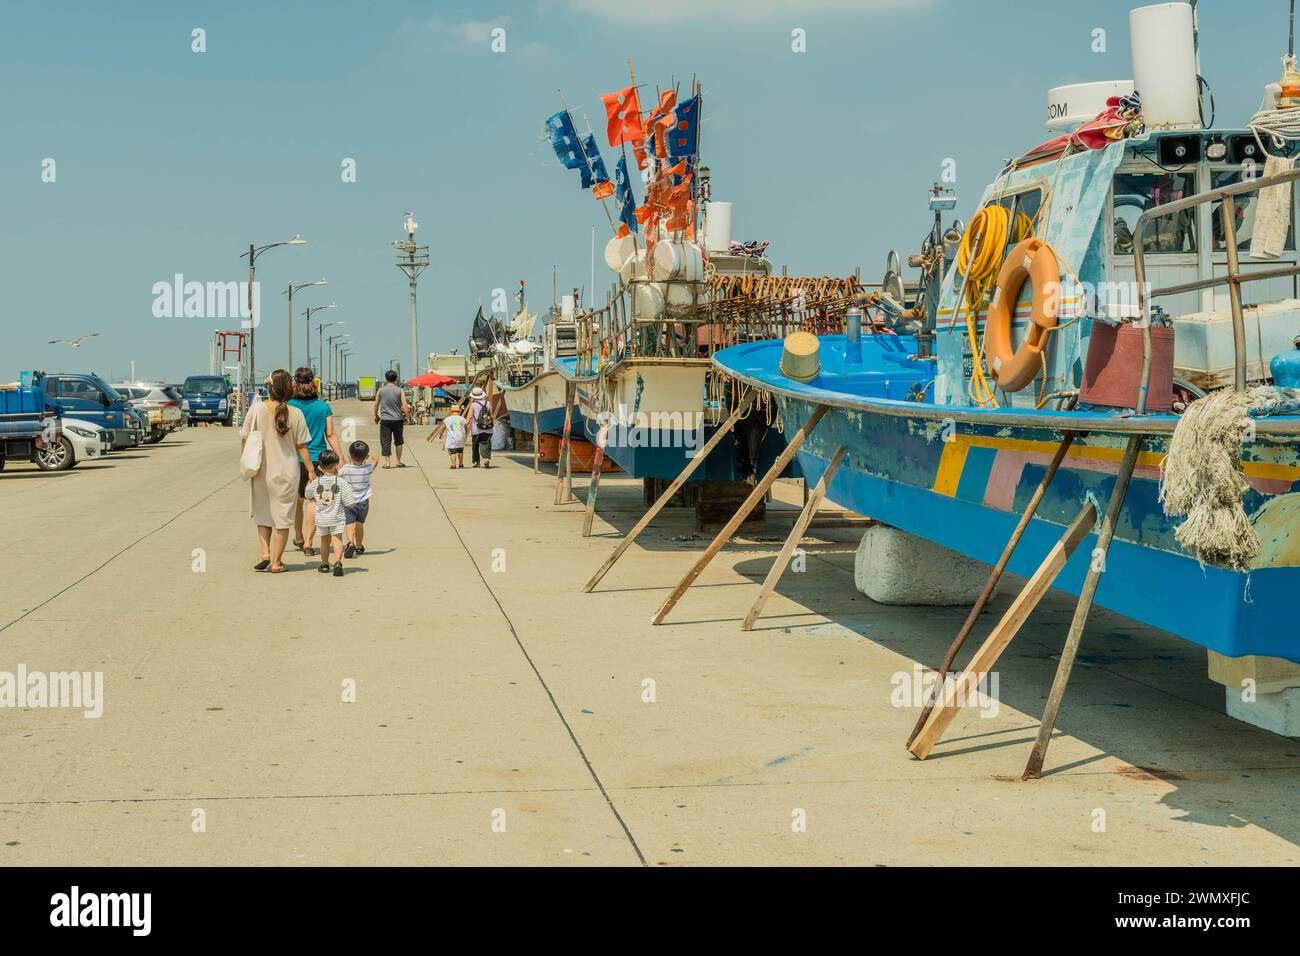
[[75, 343]]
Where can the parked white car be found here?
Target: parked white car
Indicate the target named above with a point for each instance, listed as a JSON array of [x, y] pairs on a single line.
[[78, 441]]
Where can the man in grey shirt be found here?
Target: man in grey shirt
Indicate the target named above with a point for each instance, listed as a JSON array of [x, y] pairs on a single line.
[[391, 409]]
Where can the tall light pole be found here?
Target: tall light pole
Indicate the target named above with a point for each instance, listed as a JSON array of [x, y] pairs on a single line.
[[292, 287], [412, 260], [253, 252], [332, 369], [308, 312], [320, 343], [343, 358]]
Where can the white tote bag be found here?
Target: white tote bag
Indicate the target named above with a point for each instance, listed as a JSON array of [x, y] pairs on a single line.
[[250, 461]]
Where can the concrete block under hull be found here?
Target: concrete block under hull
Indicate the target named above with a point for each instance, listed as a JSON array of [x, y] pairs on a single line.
[[894, 567]]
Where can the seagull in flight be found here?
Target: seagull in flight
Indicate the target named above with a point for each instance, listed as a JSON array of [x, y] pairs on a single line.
[[75, 343]]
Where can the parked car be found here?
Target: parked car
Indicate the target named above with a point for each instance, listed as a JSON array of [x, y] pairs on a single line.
[[30, 430], [161, 405], [87, 397], [81, 441], [207, 398]]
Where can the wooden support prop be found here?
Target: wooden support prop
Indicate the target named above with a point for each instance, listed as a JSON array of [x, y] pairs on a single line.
[[691, 464], [562, 463], [963, 688], [593, 486], [537, 438], [1096, 567], [795, 536], [742, 512], [996, 575]]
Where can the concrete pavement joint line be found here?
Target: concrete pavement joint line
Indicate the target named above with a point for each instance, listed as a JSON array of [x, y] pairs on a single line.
[[523, 650], [115, 556], [290, 796], [1190, 776]]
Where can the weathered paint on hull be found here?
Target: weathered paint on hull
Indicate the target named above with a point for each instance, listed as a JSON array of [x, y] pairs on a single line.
[[968, 493], [545, 391]]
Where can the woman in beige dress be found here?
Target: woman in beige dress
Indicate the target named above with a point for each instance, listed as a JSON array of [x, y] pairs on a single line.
[[274, 489]]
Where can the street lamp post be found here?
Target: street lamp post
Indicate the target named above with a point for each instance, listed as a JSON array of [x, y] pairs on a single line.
[[320, 343], [333, 378], [293, 286], [412, 260], [343, 359], [253, 252], [308, 313]]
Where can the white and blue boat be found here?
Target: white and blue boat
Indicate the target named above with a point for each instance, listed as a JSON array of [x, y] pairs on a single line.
[[951, 425]]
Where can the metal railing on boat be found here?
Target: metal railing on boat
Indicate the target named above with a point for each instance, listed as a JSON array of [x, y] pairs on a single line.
[[1233, 279]]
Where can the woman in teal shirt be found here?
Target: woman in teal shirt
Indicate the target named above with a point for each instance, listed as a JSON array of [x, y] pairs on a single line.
[[320, 423]]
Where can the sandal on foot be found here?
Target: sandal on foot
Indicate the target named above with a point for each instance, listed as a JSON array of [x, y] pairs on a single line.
[[350, 551], [338, 569], [310, 552], [360, 550], [300, 544], [324, 569], [262, 565], [278, 570]]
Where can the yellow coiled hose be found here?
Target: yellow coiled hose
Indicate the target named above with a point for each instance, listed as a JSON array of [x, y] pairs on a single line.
[[979, 260]]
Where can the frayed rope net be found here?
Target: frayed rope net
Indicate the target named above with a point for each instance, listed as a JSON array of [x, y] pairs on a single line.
[[1202, 475]]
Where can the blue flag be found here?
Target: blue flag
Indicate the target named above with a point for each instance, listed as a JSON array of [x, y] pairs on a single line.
[[623, 195], [564, 140], [593, 171], [683, 139]]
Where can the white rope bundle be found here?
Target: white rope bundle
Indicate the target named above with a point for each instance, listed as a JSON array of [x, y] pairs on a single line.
[[1202, 477], [1279, 124]]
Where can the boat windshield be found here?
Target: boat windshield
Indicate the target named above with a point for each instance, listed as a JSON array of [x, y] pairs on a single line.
[[1245, 219], [1135, 193]]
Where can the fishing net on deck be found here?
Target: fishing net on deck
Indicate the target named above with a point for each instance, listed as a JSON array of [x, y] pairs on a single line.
[[1202, 476]]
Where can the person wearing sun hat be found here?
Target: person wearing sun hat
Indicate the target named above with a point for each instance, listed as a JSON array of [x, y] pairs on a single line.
[[481, 422]]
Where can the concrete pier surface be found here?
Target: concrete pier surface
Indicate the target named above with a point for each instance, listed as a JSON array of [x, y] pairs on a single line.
[[503, 717]]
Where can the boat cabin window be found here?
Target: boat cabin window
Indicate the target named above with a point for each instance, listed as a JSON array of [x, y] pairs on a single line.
[[1245, 218], [1021, 208], [1135, 193]]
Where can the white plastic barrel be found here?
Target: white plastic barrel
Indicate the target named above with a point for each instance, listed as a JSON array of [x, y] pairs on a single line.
[[1164, 65]]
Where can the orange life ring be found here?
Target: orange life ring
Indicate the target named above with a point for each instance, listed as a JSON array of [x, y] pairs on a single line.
[[1031, 259]]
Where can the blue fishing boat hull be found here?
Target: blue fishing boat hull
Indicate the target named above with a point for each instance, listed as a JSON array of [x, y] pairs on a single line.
[[657, 430], [964, 481], [550, 421]]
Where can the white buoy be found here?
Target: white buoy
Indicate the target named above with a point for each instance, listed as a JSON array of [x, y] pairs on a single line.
[[633, 268], [618, 251], [648, 301], [678, 260], [1162, 38]]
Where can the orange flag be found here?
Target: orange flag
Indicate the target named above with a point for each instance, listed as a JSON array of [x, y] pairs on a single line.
[[624, 115]]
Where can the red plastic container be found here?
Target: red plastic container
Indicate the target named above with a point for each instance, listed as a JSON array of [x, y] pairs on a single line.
[[1113, 371]]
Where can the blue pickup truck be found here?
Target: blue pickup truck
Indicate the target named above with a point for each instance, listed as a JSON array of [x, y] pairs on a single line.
[[88, 398], [207, 399]]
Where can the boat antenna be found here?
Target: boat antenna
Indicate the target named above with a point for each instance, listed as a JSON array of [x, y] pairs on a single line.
[[1290, 33]]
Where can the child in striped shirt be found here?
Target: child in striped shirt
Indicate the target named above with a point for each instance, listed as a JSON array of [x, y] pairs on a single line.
[[331, 495], [357, 473]]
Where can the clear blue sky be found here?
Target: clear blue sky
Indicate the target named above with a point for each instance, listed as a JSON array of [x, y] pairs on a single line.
[[172, 161]]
